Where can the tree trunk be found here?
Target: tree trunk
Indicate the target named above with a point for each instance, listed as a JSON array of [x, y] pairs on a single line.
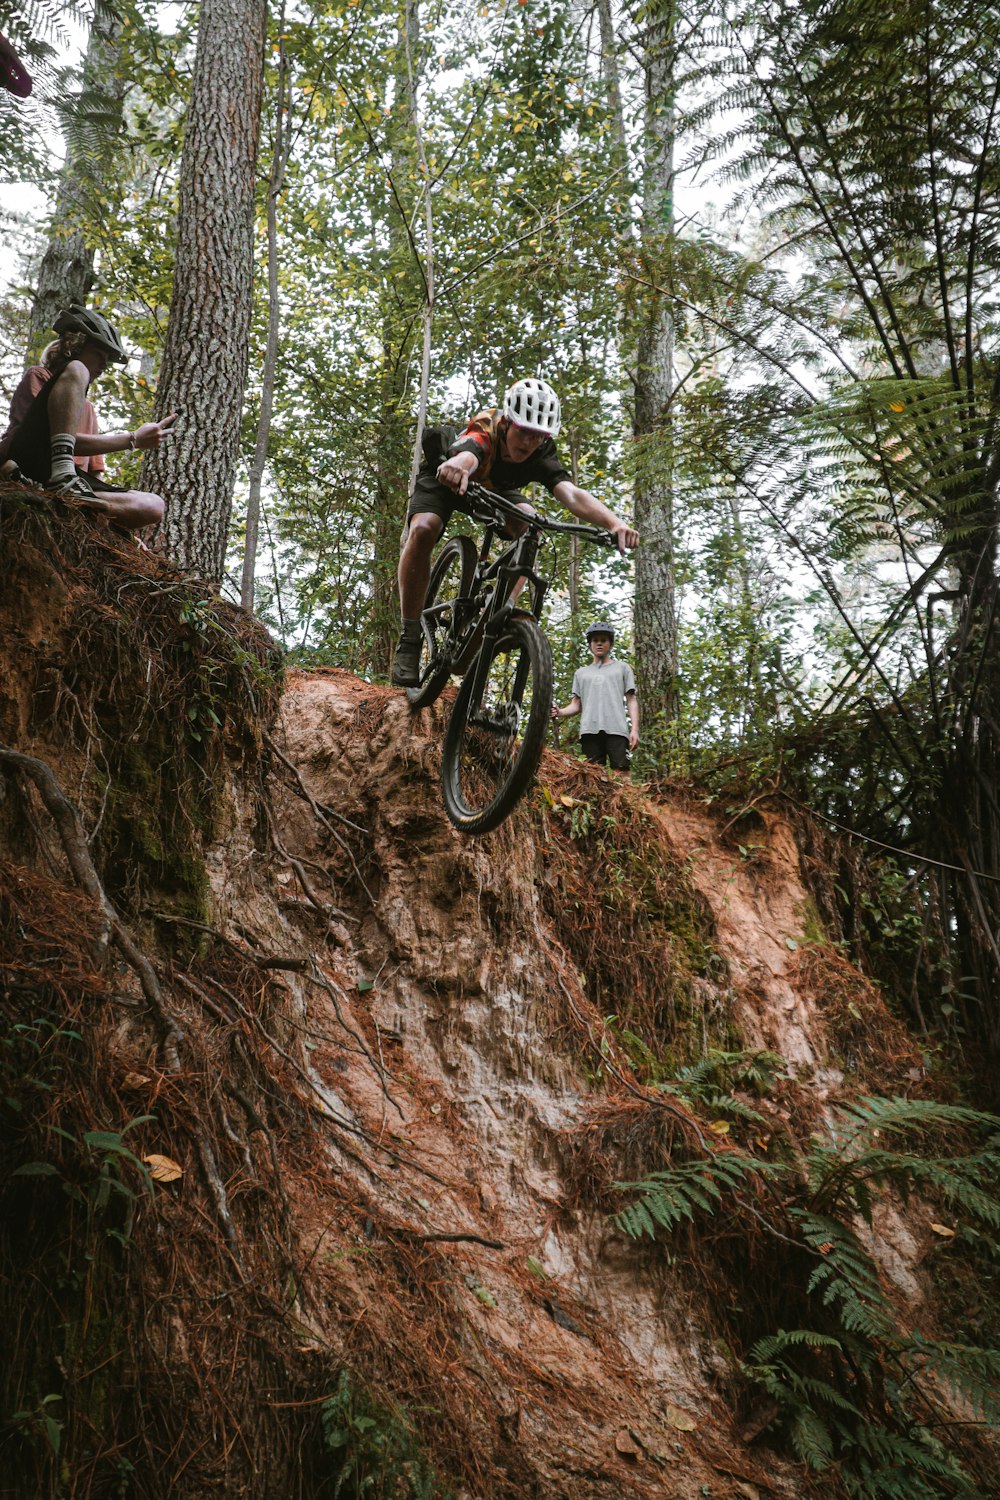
[[413, 79], [609, 60], [67, 271], [205, 359], [400, 300], [655, 618], [279, 163]]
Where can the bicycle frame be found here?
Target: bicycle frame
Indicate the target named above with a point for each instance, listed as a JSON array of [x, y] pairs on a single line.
[[473, 621]]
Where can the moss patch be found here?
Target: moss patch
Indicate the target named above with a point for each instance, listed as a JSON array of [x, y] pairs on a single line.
[[626, 909]]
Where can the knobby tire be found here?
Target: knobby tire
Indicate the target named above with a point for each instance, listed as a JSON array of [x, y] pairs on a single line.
[[485, 772]]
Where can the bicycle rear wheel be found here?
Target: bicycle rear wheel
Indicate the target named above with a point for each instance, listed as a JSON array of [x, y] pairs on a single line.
[[494, 739], [451, 577]]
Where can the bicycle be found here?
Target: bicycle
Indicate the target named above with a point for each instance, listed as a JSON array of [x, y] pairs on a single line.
[[472, 627]]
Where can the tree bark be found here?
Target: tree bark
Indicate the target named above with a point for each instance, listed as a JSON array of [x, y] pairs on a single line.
[[279, 163], [205, 359], [609, 59], [413, 80], [400, 302], [655, 605], [67, 271]]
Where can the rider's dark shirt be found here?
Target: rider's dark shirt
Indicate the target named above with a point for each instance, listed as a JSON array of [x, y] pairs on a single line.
[[482, 437]]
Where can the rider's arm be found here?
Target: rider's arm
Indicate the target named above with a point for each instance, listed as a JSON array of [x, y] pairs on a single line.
[[572, 707], [587, 508], [457, 470], [632, 704]]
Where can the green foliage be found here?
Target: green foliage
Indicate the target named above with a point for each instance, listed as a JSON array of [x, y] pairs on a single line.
[[41, 1423], [91, 1171], [680, 1193], [373, 1451], [855, 1391], [32, 1057]]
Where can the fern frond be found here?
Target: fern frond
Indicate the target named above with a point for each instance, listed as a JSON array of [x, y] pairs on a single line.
[[969, 1373], [678, 1193], [811, 1439]]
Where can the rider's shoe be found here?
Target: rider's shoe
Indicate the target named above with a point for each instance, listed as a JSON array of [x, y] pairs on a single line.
[[406, 661]]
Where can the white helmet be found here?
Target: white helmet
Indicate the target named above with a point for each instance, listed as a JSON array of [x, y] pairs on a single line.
[[533, 404]]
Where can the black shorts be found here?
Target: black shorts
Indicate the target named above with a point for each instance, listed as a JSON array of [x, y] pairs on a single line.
[[430, 495], [30, 446], [606, 749]]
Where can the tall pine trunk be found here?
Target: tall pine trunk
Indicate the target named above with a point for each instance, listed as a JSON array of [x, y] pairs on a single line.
[[279, 165], [204, 369], [655, 605], [86, 182]]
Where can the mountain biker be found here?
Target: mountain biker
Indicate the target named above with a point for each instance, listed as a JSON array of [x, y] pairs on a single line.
[[501, 448], [49, 429], [601, 693]]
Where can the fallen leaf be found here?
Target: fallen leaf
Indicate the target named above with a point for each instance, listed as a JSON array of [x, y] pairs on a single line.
[[485, 1297], [568, 801], [719, 1127], [435, 1109], [625, 1443], [943, 1231], [135, 1081], [162, 1168], [791, 945], [364, 985], [536, 1268], [680, 1419]]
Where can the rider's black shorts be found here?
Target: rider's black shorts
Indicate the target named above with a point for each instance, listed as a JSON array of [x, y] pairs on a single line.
[[429, 494]]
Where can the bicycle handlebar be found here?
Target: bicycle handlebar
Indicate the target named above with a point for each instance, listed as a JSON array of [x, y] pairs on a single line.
[[492, 502]]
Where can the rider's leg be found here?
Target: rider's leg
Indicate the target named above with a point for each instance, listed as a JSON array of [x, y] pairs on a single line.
[[414, 574], [415, 563]]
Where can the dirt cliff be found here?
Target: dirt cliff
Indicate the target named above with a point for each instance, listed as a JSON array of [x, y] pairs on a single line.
[[315, 1110]]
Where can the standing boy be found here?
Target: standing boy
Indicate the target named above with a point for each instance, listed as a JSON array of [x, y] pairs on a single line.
[[604, 696]]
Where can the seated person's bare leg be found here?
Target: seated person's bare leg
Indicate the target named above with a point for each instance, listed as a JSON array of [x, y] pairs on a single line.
[[65, 410], [134, 509]]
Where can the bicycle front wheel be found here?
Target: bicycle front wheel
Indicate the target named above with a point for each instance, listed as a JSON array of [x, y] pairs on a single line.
[[495, 735]]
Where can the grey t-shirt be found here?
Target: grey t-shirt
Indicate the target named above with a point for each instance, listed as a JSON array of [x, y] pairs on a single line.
[[601, 689]]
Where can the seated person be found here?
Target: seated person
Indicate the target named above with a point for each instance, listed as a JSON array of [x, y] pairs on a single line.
[[501, 450], [31, 382], [48, 430]]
